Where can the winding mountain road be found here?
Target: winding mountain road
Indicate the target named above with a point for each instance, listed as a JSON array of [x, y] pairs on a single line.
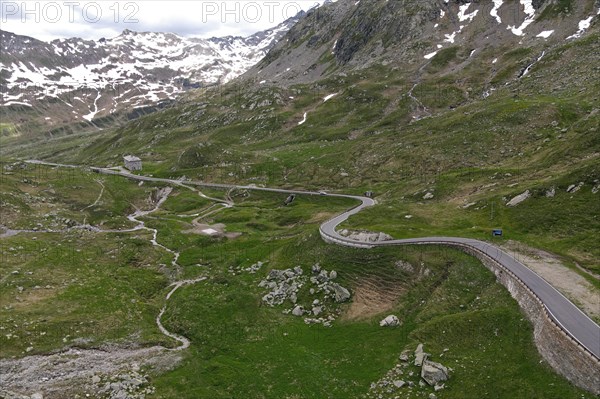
[[571, 319]]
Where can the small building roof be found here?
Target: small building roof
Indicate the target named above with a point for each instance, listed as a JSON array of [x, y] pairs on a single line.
[[131, 158]]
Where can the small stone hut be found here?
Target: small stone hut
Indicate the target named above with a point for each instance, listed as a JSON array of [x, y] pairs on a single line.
[[132, 162]]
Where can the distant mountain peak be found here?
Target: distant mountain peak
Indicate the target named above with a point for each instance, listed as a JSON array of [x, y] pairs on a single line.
[[77, 80]]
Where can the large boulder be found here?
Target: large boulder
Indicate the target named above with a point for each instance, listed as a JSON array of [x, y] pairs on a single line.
[[340, 293], [399, 383], [384, 237], [519, 198], [390, 321], [288, 274], [433, 373]]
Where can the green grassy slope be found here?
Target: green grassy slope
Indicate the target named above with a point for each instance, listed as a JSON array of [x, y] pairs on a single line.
[[535, 133], [87, 289]]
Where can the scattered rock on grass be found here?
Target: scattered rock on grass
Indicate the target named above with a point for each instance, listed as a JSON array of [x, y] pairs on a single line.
[[366, 236], [420, 355], [405, 266], [390, 321], [285, 285], [405, 356], [519, 198], [574, 188], [298, 311]]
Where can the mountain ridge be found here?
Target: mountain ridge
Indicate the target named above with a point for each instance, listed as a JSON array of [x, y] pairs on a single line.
[[73, 80], [348, 35]]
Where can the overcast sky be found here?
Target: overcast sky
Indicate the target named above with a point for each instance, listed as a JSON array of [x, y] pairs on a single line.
[[48, 20]]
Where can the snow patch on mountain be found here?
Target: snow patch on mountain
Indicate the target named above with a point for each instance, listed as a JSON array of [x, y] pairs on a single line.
[[450, 37], [134, 69], [526, 71], [494, 11], [430, 55], [529, 18], [545, 34], [462, 14], [583, 26], [303, 119], [93, 113]]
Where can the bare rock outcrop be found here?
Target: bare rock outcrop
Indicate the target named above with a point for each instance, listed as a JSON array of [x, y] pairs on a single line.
[[519, 198], [433, 373]]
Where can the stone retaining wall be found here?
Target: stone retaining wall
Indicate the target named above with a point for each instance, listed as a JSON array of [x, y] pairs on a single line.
[[563, 353]]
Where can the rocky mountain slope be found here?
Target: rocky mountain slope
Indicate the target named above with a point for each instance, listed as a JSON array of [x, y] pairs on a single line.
[[45, 86], [407, 33]]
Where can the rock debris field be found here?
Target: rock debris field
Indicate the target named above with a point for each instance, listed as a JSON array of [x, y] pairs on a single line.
[[315, 297]]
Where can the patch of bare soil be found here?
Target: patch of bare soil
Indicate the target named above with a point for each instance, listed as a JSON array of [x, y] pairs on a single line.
[[372, 297], [33, 296], [550, 267]]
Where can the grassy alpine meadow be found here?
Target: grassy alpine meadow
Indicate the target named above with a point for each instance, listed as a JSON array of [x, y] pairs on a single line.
[[78, 290], [551, 218], [447, 164], [86, 289], [483, 152], [64, 285], [449, 302], [41, 197]]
